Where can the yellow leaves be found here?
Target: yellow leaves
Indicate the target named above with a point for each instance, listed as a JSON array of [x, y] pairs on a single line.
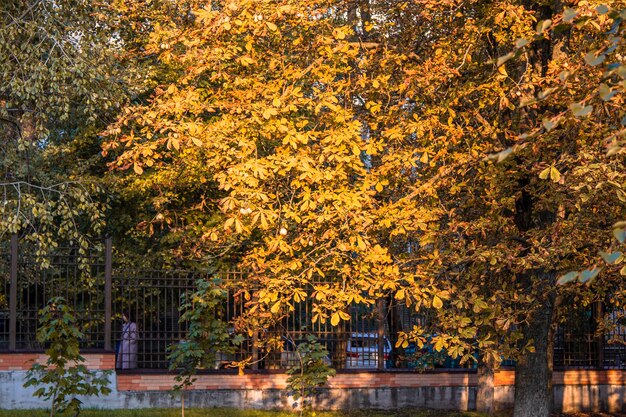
[[437, 303], [299, 295], [137, 168], [440, 344], [269, 112], [551, 172], [337, 316], [271, 26], [374, 107], [361, 243], [339, 33], [246, 60], [232, 221], [173, 143], [276, 307], [403, 343], [400, 295]]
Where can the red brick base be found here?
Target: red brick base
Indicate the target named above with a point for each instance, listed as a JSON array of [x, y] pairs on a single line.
[[163, 382], [24, 361]]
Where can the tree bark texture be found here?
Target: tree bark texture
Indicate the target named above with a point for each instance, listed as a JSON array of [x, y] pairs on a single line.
[[533, 373]]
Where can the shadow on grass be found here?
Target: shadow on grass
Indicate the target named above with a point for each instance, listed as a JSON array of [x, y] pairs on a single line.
[[229, 412], [223, 412]]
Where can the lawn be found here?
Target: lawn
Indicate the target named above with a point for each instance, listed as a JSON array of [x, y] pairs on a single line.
[[229, 412], [223, 412]]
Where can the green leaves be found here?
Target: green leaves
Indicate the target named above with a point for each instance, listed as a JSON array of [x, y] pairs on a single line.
[[309, 371], [208, 336], [620, 234], [593, 58], [605, 92], [543, 25], [520, 43], [611, 258], [548, 124], [501, 60], [580, 110], [64, 376], [602, 9], [569, 14], [589, 274], [567, 278], [585, 276]]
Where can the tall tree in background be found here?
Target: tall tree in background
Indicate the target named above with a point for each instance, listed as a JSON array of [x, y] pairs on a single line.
[[58, 82], [523, 115]]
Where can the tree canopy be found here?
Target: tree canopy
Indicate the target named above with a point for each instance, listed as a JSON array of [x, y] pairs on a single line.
[[460, 157]]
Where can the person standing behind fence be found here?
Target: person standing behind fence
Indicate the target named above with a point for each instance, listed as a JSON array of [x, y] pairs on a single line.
[[127, 351]]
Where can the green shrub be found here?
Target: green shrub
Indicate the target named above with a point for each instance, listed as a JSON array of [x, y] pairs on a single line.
[[64, 376]]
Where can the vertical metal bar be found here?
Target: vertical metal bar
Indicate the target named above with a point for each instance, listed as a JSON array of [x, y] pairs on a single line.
[[13, 294], [255, 351], [380, 306], [599, 315], [108, 275]]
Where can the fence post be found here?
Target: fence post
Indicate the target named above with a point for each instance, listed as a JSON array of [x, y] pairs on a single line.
[[255, 351], [13, 294], [380, 306], [108, 272]]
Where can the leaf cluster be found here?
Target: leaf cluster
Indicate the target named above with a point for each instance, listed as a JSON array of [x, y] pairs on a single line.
[[63, 377]]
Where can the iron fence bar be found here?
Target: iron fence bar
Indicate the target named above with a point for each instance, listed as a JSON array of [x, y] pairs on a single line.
[[108, 272], [380, 307], [599, 313], [13, 293]]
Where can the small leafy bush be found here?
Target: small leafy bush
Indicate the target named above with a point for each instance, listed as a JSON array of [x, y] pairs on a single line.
[[310, 373], [63, 377]]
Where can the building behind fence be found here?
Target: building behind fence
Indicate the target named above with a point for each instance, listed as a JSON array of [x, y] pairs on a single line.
[[99, 293]]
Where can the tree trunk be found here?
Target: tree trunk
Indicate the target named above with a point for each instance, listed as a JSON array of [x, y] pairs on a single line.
[[533, 373], [484, 389]]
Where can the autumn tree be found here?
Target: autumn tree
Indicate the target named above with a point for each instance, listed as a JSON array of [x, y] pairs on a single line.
[[446, 155], [526, 111], [278, 107]]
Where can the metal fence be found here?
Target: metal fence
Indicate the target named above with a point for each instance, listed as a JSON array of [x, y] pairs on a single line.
[[101, 294]]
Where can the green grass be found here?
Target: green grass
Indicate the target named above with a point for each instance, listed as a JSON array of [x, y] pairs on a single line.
[[229, 412]]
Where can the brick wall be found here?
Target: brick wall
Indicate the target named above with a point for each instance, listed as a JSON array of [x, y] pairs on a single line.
[[162, 382], [23, 361], [575, 390]]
